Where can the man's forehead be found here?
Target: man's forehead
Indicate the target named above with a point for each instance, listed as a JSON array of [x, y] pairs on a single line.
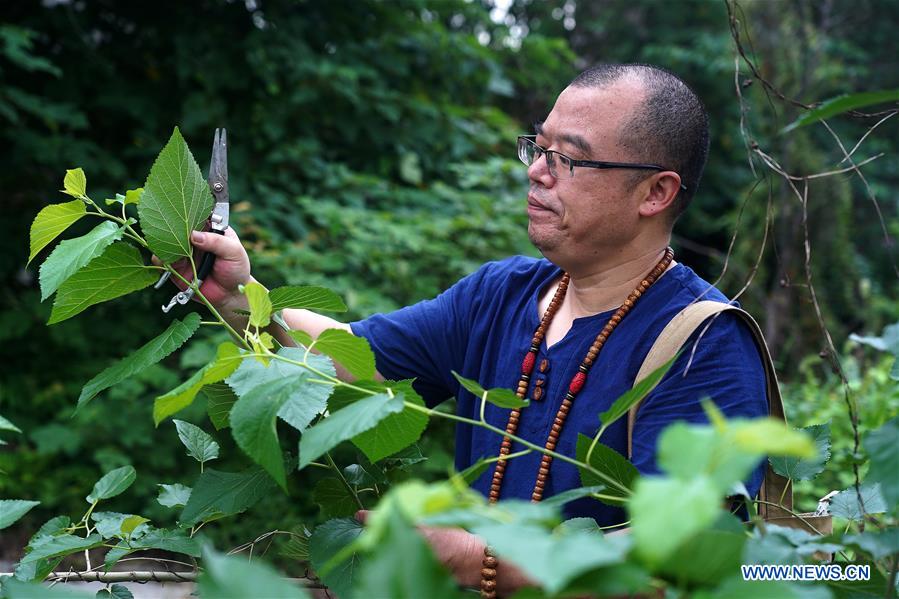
[[592, 114]]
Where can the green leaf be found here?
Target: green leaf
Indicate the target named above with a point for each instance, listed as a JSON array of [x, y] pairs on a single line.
[[306, 297], [151, 353], [75, 183], [51, 221], [841, 104], [610, 462], [552, 560], [13, 509], [346, 424], [6, 425], [504, 398], [117, 272], [639, 391], [109, 524], [12, 588], [327, 541], [218, 494], [806, 468], [352, 352], [116, 591], [132, 196], [158, 538], [176, 201], [73, 254], [395, 432], [473, 472], [112, 483], [260, 304], [878, 544], [253, 424], [404, 566], [60, 546], [227, 577], [297, 548], [883, 451], [200, 445], [227, 360], [845, 503], [708, 556], [130, 523], [334, 499], [175, 495], [219, 401], [680, 508]]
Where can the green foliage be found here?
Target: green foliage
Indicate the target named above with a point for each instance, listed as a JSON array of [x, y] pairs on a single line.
[[353, 353], [841, 104], [176, 201], [73, 254], [327, 542], [117, 272], [51, 221], [112, 483], [635, 395], [884, 454], [13, 509], [318, 299], [232, 577], [175, 495], [151, 353], [804, 468], [219, 494], [200, 444], [503, 398], [611, 463], [227, 360]]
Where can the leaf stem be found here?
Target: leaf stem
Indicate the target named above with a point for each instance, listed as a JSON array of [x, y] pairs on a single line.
[[343, 480], [209, 305]]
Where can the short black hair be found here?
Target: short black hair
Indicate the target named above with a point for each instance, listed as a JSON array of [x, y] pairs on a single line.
[[671, 128]]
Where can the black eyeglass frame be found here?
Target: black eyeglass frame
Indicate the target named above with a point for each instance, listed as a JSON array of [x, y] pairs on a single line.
[[573, 162]]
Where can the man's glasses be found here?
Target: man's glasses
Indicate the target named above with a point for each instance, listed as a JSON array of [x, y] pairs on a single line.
[[562, 166]]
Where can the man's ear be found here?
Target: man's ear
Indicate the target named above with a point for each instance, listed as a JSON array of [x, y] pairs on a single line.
[[660, 191]]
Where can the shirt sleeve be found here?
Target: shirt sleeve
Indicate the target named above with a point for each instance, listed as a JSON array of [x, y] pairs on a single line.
[[428, 340], [725, 367]]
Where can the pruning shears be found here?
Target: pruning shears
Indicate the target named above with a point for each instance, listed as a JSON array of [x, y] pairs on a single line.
[[217, 221]]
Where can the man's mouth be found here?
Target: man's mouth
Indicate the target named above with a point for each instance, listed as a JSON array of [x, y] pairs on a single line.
[[536, 206]]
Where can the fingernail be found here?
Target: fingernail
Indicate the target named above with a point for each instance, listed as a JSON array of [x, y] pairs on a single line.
[[197, 237]]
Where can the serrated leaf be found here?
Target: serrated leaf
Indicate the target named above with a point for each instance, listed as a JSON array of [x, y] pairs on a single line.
[[219, 401], [73, 254], [305, 403], [297, 548], [117, 272], [883, 449], [217, 494], [352, 352], [112, 483], [130, 523], [228, 358], [227, 577], [109, 524], [116, 591], [503, 398], [159, 538], [845, 504], [151, 353], [334, 499], [393, 433], [306, 297], [639, 391], [200, 445], [51, 221], [75, 182], [13, 509], [61, 545], [327, 541], [259, 302], [176, 495], [346, 424], [253, 424], [176, 201], [6, 425], [806, 468], [610, 462]]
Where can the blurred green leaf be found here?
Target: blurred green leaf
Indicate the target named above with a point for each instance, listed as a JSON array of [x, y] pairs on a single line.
[[51, 221], [883, 450], [227, 577], [806, 468], [13, 509], [841, 104]]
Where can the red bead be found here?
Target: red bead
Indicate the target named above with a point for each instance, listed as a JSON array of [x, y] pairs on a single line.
[[527, 365], [577, 383]]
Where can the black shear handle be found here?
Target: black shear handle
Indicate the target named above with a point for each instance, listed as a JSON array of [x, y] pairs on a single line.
[[208, 261]]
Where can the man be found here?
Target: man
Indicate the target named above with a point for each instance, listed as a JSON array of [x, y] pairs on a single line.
[[607, 225]]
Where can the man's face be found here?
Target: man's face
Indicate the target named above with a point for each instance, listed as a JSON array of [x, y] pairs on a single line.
[[574, 220]]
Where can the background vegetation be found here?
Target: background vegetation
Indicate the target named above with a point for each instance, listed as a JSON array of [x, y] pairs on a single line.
[[372, 150]]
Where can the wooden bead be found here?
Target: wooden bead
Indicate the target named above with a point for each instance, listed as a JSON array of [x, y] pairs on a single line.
[[556, 428], [488, 573], [490, 562], [551, 445], [589, 359], [540, 484], [535, 496], [559, 420], [543, 471]]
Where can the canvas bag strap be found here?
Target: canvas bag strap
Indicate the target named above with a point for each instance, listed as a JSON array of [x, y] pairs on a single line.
[[672, 338]]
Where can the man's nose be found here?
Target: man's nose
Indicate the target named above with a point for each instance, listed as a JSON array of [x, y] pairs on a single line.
[[538, 172]]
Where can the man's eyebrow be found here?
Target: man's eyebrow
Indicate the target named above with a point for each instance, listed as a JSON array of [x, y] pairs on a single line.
[[571, 138]]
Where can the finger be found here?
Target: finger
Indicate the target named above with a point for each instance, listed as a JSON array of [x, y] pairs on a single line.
[[361, 516], [155, 261], [226, 247]]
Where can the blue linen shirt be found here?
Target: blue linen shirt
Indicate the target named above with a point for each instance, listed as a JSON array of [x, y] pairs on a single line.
[[482, 326]]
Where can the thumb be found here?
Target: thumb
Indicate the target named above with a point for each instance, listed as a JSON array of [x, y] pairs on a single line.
[[223, 246]]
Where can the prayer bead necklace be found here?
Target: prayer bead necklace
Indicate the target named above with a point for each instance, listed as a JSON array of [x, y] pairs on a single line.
[[488, 572]]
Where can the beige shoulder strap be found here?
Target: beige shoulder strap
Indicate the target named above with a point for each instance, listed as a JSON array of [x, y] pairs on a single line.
[[669, 342]]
